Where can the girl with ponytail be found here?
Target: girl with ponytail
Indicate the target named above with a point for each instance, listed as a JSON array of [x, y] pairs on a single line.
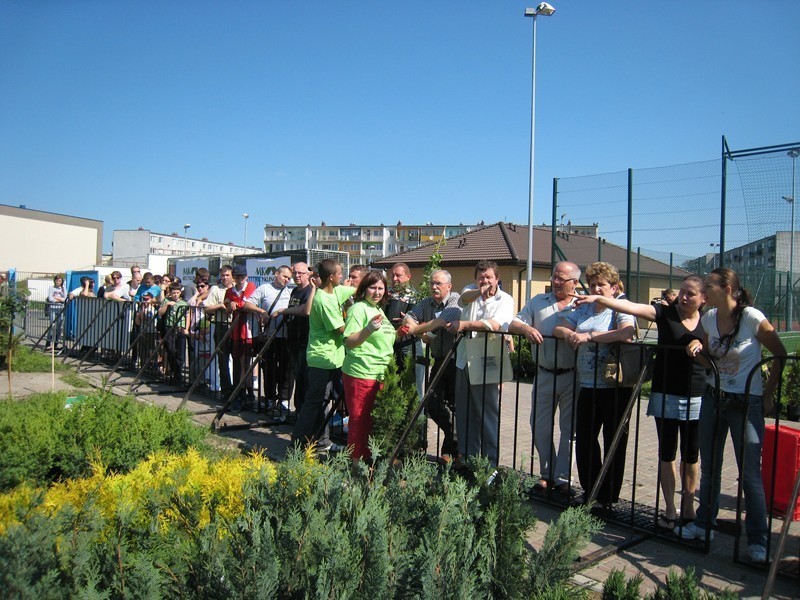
[[734, 332]]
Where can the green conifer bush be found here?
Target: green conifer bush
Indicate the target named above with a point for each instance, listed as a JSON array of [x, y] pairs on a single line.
[[394, 406], [42, 441], [295, 529]]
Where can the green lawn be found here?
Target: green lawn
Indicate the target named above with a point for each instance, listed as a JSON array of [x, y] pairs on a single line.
[[791, 339]]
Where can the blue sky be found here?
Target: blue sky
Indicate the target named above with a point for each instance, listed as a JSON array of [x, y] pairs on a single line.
[[157, 114]]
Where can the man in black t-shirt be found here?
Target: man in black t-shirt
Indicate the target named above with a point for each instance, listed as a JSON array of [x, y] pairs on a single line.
[[297, 323], [402, 296]]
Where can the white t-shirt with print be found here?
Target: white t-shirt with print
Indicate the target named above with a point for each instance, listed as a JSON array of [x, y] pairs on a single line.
[[744, 353]]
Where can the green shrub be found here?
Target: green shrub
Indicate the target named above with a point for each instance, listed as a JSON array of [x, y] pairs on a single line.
[[562, 544], [394, 406], [521, 358], [41, 441], [678, 586], [12, 303], [616, 587], [684, 586], [790, 388], [305, 529]]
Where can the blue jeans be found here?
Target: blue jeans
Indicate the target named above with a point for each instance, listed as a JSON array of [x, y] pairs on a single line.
[[56, 314], [711, 442]]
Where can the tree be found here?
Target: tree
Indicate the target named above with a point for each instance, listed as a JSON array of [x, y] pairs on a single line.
[[12, 303]]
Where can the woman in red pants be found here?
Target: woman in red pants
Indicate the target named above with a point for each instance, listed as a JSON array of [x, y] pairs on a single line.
[[368, 337]]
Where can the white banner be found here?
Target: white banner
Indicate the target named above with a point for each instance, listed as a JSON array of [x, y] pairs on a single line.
[[262, 270], [185, 268]]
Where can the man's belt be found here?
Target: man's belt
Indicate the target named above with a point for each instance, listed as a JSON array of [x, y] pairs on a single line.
[[557, 371]]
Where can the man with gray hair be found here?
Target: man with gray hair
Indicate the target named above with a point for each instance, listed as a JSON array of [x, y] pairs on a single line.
[[269, 300], [428, 320], [555, 376]]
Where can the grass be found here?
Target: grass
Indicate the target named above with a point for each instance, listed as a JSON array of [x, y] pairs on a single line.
[[27, 360], [74, 380], [790, 339]]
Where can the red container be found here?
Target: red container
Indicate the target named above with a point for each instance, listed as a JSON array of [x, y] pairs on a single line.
[[786, 469]]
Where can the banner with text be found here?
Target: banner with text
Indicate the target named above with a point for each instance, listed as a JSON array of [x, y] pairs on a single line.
[[262, 270], [185, 268]]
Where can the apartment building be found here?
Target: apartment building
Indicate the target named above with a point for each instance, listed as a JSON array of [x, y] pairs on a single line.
[[364, 243], [135, 246]]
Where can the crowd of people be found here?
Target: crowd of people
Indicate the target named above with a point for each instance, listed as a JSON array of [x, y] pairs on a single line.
[[331, 337], [706, 320]]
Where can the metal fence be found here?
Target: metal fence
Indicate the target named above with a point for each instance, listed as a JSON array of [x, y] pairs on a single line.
[[737, 211], [189, 350]]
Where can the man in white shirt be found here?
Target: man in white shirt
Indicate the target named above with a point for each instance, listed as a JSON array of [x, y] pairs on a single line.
[[214, 306], [269, 301], [485, 308], [555, 375], [135, 281]]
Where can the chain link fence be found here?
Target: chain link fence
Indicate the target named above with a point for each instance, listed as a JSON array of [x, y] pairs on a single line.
[[736, 211]]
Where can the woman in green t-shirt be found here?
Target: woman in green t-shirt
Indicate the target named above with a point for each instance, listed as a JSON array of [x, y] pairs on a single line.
[[368, 338]]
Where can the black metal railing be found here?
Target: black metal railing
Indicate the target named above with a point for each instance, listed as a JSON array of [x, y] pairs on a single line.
[[221, 354]]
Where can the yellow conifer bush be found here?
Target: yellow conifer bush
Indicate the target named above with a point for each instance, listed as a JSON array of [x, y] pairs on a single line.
[[177, 490]]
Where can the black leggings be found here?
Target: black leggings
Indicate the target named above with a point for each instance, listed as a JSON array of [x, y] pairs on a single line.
[[668, 429]]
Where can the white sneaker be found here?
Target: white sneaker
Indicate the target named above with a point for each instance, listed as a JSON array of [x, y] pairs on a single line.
[[690, 531], [329, 448], [323, 447], [757, 553]]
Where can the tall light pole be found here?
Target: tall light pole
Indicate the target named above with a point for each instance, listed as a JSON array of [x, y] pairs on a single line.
[[545, 10], [185, 230], [793, 154], [246, 216]]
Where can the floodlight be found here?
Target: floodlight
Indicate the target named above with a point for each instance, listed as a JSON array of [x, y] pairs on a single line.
[[544, 9]]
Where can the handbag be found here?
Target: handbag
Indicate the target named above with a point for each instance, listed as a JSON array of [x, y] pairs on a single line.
[[626, 361], [487, 359]]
